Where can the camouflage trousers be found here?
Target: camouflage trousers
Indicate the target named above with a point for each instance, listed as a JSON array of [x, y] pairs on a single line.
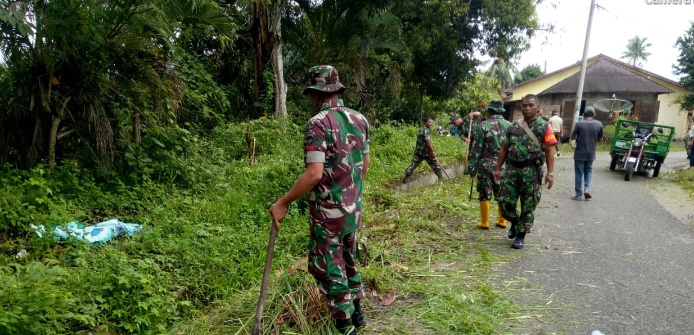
[[332, 261], [417, 159], [486, 188], [523, 184]]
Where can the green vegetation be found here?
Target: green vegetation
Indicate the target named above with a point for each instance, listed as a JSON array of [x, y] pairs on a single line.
[[206, 229], [685, 67], [145, 110], [685, 179]]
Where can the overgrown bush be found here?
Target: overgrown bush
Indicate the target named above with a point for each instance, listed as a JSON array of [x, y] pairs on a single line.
[[37, 299], [204, 209]]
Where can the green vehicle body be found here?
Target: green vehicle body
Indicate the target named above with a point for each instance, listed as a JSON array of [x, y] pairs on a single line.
[[654, 151]]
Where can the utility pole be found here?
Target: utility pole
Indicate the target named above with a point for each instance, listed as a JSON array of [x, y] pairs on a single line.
[[584, 61]]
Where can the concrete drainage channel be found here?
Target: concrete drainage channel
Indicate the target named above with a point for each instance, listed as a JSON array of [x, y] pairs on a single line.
[[430, 179]]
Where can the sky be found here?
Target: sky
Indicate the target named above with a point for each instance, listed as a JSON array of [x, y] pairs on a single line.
[[614, 23]]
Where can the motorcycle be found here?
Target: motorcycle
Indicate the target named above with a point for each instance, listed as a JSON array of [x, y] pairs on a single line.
[[632, 151], [635, 155]]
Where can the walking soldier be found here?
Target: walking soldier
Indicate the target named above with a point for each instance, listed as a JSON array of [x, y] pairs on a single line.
[[424, 151], [486, 144], [336, 149], [525, 155]]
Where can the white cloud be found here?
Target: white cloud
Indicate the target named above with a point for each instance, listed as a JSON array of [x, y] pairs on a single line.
[[614, 23]]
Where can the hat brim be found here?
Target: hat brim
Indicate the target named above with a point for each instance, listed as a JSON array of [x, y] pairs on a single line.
[[497, 110], [327, 88]]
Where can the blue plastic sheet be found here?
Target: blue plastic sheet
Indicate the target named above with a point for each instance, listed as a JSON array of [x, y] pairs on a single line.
[[97, 233]]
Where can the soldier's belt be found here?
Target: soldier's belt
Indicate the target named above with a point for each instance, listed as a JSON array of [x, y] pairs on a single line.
[[524, 164]]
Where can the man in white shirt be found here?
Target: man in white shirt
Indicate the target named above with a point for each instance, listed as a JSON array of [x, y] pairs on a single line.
[[557, 124]]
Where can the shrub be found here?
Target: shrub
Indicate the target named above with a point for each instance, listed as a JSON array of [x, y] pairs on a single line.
[[36, 299]]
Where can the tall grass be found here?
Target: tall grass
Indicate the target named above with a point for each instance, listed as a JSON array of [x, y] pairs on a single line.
[[197, 267]]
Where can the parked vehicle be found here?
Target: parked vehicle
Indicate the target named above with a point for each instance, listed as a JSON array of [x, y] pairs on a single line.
[[639, 146]]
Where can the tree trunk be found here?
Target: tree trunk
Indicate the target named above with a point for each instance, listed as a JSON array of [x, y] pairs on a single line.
[[266, 34], [53, 139], [280, 85], [259, 36], [137, 127], [276, 59], [55, 125]]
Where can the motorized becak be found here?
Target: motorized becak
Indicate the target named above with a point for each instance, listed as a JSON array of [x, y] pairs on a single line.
[[639, 147]]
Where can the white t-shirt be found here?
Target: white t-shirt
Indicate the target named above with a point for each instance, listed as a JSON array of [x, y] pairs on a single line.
[[556, 122]]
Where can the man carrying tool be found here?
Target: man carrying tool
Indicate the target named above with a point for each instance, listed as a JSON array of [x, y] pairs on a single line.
[[336, 154], [464, 126], [424, 151], [487, 140], [527, 145]]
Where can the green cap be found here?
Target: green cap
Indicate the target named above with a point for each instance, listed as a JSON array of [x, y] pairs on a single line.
[[497, 106]]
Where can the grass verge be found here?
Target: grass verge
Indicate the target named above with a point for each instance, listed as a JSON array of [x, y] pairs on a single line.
[[423, 248]]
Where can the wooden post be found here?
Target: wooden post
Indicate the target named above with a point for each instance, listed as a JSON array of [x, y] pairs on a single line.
[[252, 152]]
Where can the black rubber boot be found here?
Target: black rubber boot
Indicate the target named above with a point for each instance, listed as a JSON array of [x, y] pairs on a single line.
[[512, 231], [358, 316], [519, 241], [345, 327]]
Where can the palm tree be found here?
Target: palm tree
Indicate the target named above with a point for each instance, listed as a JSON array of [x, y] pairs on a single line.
[[117, 71], [504, 72], [636, 50], [363, 42]]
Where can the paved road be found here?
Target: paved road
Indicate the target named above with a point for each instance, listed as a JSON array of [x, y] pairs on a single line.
[[621, 263]]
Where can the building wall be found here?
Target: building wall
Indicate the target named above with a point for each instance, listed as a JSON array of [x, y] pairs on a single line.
[[564, 104], [542, 84], [670, 113]]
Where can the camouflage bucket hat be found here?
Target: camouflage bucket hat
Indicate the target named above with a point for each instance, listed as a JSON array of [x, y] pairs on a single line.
[[324, 78], [455, 117], [497, 106]]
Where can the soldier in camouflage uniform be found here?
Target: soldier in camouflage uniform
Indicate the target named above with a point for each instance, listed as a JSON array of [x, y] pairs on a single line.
[[487, 140], [523, 175], [424, 151], [463, 125], [336, 154]]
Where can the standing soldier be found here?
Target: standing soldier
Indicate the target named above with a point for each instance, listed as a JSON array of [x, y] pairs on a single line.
[[455, 123], [336, 154], [527, 144], [424, 151], [487, 140], [464, 125]]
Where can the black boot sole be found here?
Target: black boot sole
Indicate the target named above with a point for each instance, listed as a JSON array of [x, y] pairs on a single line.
[[512, 233]]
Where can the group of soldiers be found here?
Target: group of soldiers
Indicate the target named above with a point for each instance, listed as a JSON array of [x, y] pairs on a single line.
[[336, 157], [506, 158]]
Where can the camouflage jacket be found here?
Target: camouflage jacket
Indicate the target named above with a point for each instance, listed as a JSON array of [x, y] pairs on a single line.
[[487, 140], [423, 136], [521, 148], [463, 128], [338, 137]]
